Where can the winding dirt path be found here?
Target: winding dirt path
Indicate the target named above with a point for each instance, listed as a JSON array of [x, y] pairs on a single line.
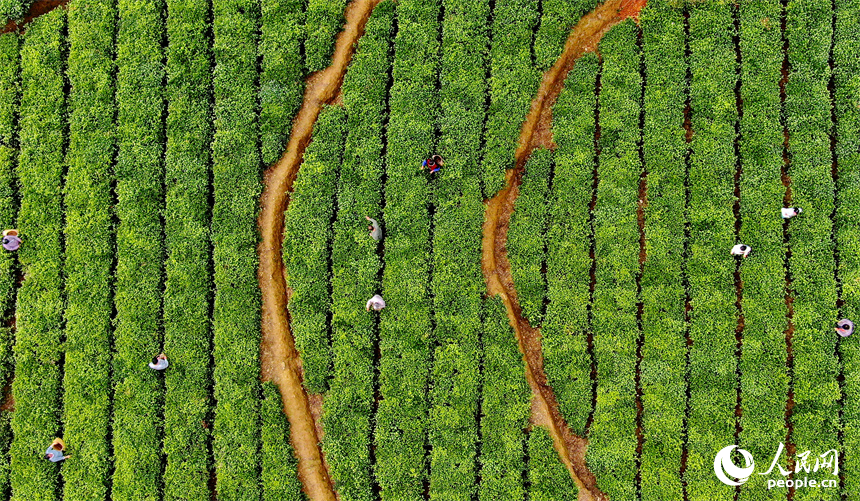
[[279, 360], [537, 131]]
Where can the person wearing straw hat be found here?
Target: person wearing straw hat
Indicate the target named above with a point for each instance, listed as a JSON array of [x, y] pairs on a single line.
[[11, 240]]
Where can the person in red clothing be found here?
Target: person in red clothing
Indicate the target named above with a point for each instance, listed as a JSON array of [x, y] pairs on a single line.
[[433, 163]]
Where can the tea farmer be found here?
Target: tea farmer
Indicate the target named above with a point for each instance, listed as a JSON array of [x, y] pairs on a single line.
[[376, 302], [55, 451], [11, 241], [844, 327], [159, 363], [790, 212], [375, 229], [741, 250], [433, 163]]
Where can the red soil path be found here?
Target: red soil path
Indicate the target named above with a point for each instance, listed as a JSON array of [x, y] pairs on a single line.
[[535, 132], [280, 362]]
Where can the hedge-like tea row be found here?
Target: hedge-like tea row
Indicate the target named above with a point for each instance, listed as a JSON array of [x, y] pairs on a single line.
[[39, 309], [188, 279], [307, 243], [710, 267], [567, 361], [405, 325], [558, 17], [815, 415], [8, 141], [282, 77], [664, 348], [763, 272], [549, 479], [505, 409], [236, 183], [457, 282], [526, 236], [355, 264], [847, 90], [139, 251], [616, 251], [513, 84], [279, 474], [89, 248], [323, 23]]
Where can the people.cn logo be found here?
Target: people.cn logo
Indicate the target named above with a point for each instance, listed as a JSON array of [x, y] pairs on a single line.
[[726, 470]]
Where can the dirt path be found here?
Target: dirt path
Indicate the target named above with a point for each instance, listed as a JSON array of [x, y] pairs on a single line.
[[280, 362], [537, 131]]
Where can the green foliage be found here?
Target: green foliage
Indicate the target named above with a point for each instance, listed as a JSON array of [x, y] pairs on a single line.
[[323, 23], [187, 297], [307, 243], [567, 362], [763, 272], [513, 84], [457, 282], [13, 9], [664, 349], [526, 236], [549, 479], [279, 474], [89, 248], [39, 310], [281, 79], [558, 17], [139, 252], [355, 264], [710, 267], [808, 117], [505, 409], [616, 237], [847, 102], [236, 186], [405, 325]]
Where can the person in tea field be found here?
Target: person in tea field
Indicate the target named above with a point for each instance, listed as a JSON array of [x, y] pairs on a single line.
[[55, 451], [376, 302], [741, 250], [375, 229], [790, 212], [845, 327], [159, 363], [434, 163], [11, 240]]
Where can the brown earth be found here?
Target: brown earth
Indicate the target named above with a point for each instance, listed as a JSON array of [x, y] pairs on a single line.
[[280, 362], [537, 131], [39, 8]]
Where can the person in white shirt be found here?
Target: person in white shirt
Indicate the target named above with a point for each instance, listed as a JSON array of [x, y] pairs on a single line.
[[741, 250], [790, 212], [844, 327], [159, 363], [376, 302], [375, 229], [55, 453]]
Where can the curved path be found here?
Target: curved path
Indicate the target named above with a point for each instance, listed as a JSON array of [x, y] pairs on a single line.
[[537, 131], [279, 360]]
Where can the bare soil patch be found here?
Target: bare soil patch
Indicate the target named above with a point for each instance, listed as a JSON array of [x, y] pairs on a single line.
[[537, 131], [280, 362]]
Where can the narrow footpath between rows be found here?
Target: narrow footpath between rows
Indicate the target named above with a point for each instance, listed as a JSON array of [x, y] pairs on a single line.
[[39, 8], [279, 360], [537, 131]]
